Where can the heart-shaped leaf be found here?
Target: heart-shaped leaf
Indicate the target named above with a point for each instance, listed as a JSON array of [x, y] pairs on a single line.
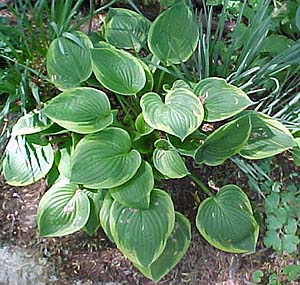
[[225, 142], [26, 160], [176, 247], [180, 115], [136, 192], [268, 137], [68, 62], [63, 210], [226, 221], [118, 71], [96, 201], [141, 235], [82, 110], [169, 162], [105, 215], [104, 160], [221, 100], [126, 29], [174, 35], [33, 122]]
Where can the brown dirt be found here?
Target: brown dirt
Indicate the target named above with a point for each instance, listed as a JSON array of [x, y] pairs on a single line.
[[94, 259]]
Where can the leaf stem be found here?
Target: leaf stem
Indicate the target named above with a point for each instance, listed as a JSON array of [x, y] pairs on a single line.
[[201, 185]]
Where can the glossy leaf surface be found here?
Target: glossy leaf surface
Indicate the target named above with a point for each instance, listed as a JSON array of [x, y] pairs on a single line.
[[136, 192], [225, 142], [169, 163], [226, 221], [221, 100], [176, 247], [33, 122], [26, 160], [104, 160], [268, 137], [118, 71], [141, 235], [180, 115], [63, 210], [126, 29], [173, 36], [82, 110], [69, 63]]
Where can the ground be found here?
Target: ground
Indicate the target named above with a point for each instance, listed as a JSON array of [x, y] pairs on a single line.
[[92, 260]]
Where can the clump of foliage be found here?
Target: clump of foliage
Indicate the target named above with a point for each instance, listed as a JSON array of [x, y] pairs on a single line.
[[103, 164]]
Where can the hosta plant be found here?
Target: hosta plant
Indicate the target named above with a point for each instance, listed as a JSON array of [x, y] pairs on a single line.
[[103, 166]]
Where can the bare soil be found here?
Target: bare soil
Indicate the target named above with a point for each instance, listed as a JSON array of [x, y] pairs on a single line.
[[95, 260]]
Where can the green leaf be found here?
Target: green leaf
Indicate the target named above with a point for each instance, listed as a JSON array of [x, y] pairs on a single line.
[[290, 243], [141, 235], [291, 227], [257, 275], [64, 165], [180, 115], [297, 18], [33, 122], [176, 247], [169, 163], [104, 160], [118, 71], [174, 35], [220, 100], [136, 192], [226, 221], [69, 64], [225, 142], [63, 210], [272, 239], [268, 137], [141, 126], [96, 201], [26, 160], [126, 29], [275, 44], [82, 110], [105, 215], [189, 146]]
